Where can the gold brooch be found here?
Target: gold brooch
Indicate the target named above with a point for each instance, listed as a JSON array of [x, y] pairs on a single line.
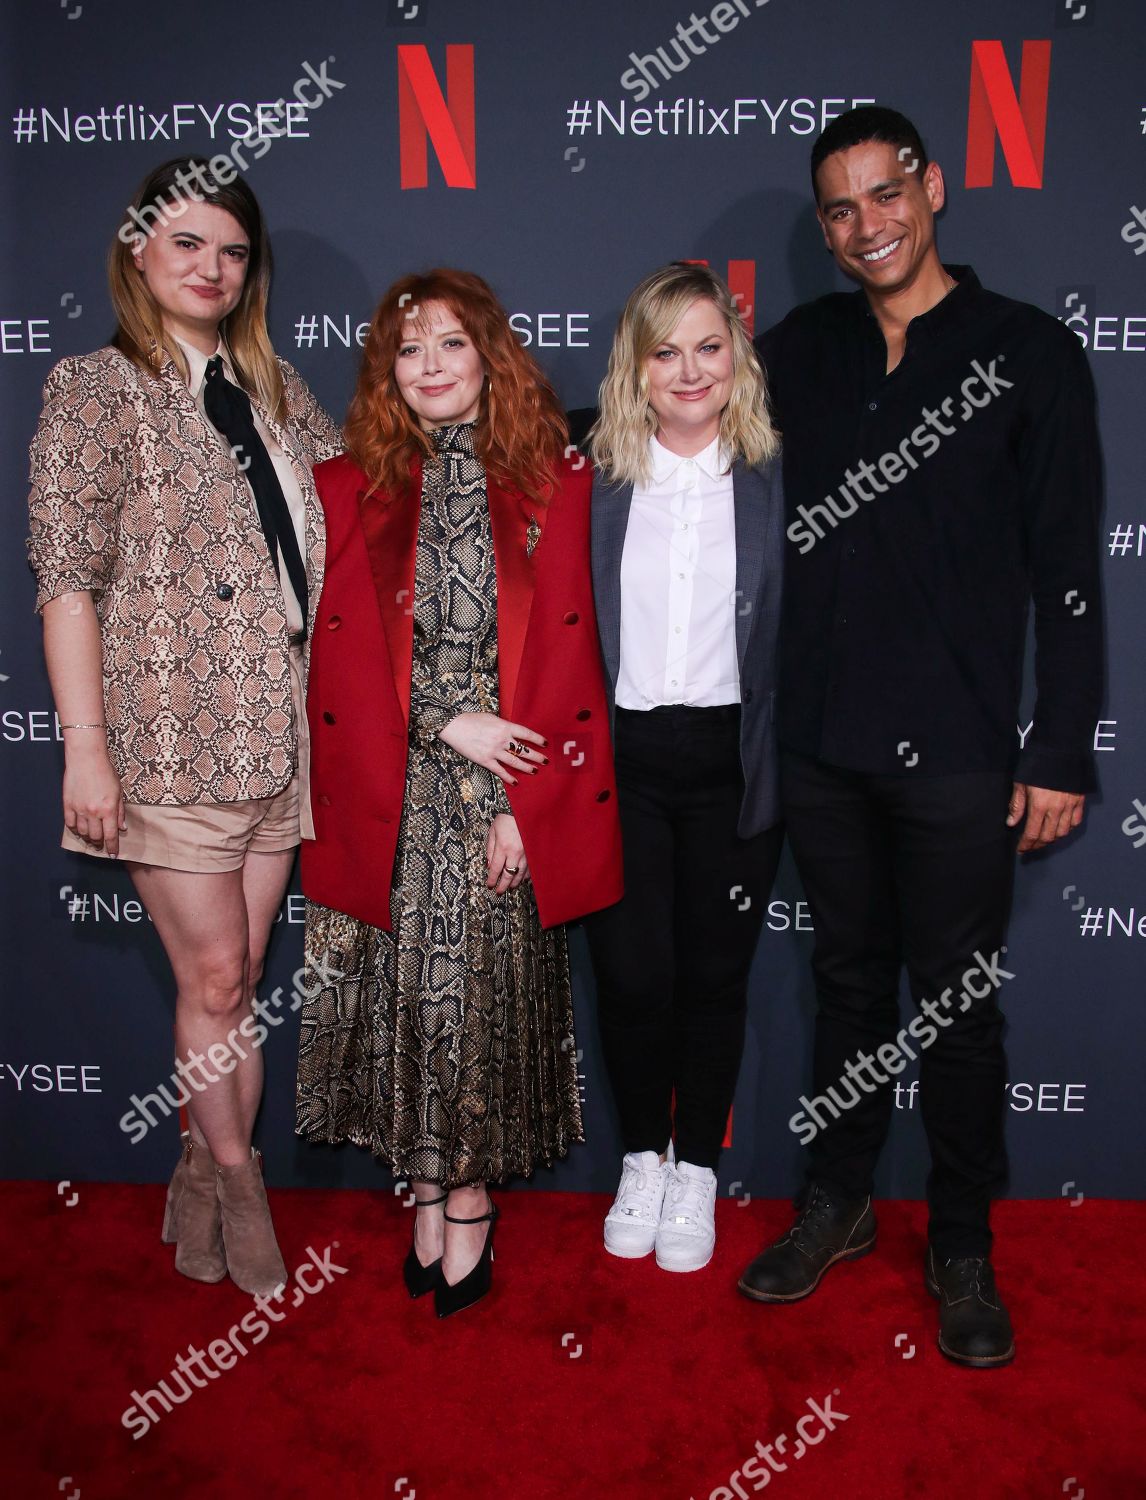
[[532, 536]]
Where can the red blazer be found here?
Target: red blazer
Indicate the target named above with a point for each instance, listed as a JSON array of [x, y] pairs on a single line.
[[550, 679]]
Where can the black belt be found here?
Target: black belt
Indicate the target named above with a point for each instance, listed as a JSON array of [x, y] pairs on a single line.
[[717, 711]]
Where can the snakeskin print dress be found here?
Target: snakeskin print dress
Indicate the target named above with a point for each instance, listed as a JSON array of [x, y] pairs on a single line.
[[445, 1046]]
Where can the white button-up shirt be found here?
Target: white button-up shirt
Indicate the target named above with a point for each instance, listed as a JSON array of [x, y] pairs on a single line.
[[678, 585], [292, 494]]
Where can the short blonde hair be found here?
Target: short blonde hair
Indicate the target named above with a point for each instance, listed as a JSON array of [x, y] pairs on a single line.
[[619, 439]]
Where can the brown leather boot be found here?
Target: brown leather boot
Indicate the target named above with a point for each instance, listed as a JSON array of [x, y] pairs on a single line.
[[199, 1253], [169, 1234], [253, 1259]]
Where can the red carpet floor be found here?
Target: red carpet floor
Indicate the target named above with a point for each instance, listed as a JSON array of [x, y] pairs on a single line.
[[579, 1376]]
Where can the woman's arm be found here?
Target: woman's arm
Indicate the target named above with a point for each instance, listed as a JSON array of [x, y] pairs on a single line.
[[77, 480], [73, 649]]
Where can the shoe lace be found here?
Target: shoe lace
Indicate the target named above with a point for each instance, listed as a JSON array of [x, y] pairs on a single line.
[[639, 1182], [684, 1200], [972, 1272], [815, 1212]]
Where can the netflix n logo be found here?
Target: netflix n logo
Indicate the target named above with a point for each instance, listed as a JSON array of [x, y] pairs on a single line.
[[1017, 116], [427, 115]]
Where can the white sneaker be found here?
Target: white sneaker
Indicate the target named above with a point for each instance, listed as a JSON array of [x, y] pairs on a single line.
[[686, 1235], [631, 1223]]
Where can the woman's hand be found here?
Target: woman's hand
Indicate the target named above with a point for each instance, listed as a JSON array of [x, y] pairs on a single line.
[[94, 805], [485, 739], [504, 855]]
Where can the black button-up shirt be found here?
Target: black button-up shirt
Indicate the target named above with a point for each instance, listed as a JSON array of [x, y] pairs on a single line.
[[926, 508]]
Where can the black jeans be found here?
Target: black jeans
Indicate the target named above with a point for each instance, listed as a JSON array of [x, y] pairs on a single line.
[[672, 956], [917, 871]]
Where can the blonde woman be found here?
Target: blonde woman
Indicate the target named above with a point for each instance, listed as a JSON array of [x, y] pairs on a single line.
[[687, 532], [177, 539]]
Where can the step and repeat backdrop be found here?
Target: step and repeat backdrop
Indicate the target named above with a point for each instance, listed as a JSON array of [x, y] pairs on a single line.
[[562, 151]]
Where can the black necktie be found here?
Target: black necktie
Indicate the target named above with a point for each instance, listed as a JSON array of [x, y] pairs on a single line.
[[229, 409]]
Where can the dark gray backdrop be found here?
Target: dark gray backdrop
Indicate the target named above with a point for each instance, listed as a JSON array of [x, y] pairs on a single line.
[[563, 220]]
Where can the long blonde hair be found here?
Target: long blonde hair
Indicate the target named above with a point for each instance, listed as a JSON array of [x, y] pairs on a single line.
[[139, 334], [619, 439]]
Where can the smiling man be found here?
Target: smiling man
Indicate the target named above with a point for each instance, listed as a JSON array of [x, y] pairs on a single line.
[[941, 471]]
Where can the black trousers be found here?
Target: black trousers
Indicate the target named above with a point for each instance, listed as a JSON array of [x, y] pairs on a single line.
[[916, 872], [672, 956]]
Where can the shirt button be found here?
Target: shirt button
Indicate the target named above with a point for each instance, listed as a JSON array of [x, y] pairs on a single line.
[[680, 575], [843, 619], [334, 622], [873, 406], [676, 630], [583, 714], [328, 717], [572, 617], [224, 591], [851, 551], [603, 796]]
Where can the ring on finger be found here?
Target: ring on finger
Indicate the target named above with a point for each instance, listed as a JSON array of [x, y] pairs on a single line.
[[517, 748], [511, 869]]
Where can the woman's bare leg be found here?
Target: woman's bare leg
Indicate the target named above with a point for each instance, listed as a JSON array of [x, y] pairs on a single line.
[[429, 1225], [464, 1242], [202, 923], [265, 878]]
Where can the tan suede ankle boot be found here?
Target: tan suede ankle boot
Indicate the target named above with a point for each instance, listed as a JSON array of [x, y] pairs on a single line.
[[253, 1259], [199, 1252], [169, 1234]]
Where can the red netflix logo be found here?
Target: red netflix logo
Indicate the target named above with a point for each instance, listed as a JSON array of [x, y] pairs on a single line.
[[741, 280], [1019, 118], [445, 120]]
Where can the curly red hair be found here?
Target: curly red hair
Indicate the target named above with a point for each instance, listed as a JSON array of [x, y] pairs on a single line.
[[520, 435]]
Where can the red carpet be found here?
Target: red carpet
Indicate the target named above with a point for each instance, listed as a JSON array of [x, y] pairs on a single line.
[[662, 1389]]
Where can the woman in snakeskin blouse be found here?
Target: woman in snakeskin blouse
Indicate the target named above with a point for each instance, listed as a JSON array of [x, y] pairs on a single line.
[[177, 544], [464, 795]]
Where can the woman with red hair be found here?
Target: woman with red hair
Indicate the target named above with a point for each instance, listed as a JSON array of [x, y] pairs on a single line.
[[461, 774]]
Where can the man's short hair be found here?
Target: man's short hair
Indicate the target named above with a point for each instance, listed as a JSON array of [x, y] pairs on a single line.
[[868, 122]]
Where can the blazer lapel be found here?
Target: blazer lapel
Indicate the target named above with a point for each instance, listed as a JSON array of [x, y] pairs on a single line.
[[286, 441], [314, 525], [511, 517], [609, 522], [751, 521], [390, 527]]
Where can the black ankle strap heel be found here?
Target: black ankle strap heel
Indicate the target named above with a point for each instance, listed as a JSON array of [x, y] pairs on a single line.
[[421, 1279], [476, 1282]]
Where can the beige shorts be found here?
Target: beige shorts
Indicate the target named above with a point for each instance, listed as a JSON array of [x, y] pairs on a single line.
[[209, 837]]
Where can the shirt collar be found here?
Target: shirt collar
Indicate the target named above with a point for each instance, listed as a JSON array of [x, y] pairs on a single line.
[[197, 365], [953, 305], [712, 461]]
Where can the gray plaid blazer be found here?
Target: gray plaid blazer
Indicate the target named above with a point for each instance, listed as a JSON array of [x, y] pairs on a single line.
[[758, 507]]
